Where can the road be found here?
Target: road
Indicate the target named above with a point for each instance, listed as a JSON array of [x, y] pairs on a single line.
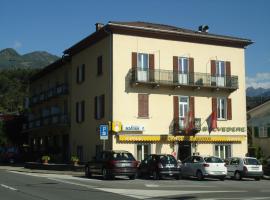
[[35, 186]]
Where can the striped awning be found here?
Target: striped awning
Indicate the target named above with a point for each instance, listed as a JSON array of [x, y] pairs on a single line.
[[171, 138]]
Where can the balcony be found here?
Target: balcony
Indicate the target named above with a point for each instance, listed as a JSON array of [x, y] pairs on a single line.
[[177, 127], [51, 93], [58, 119], [169, 78]]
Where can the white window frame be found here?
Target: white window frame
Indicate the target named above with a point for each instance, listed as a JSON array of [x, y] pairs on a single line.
[[140, 64], [220, 108], [219, 146], [263, 132], [182, 105]]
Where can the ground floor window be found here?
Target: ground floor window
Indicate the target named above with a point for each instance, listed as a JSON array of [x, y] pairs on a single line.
[[143, 150], [223, 151]]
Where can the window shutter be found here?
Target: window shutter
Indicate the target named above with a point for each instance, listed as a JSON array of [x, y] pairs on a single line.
[[140, 106], [151, 67], [99, 65], [256, 132], [229, 109], [77, 111], [134, 60], [176, 114], [143, 110], [191, 70], [214, 105], [228, 74], [192, 107], [102, 105], [83, 72], [213, 72], [82, 110], [175, 69], [96, 109], [78, 74], [268, 131]]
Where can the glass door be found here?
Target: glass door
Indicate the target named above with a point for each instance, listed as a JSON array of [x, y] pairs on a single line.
[[220, 73], [143, 67], [183, 110], [183, 70]]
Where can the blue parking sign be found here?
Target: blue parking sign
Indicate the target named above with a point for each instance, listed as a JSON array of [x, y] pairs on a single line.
[[103, 131]]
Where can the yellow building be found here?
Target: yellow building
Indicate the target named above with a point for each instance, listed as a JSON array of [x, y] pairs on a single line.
[[163, 84]]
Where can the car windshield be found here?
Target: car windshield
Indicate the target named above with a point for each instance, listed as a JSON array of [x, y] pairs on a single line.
[[251, 161], [122, 156], [213, 160], [167, 159]]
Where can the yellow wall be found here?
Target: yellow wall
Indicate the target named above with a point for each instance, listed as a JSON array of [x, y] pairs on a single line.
[[125, 97]]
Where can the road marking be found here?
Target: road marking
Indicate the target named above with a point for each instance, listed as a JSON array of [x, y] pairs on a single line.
[[8, 187], [237, 198], [145, 194], [179, 186], [72, 183]]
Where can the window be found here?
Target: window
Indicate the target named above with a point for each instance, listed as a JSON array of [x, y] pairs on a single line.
[[143, 110], [220, 73], [183, 70], [143, 150], [99, 107], [143, 67], [99, 66], [263, 131], [183, 110], [223, 151], [221, 108], [81, 73], [80, 111]]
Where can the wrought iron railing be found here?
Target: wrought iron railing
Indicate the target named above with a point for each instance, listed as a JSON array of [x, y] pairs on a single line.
[[178, 127], [172, 78], [58, 90]]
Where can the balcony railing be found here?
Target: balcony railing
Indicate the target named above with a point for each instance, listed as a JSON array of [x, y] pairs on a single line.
[[58, 119], [52, 92], [178, 127], [160, 77]]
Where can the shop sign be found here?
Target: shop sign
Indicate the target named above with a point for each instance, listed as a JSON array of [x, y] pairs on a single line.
[[226, 129], [132, 128], [116, 126]]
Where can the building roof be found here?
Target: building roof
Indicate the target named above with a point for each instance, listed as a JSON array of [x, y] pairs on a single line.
[[259, 106], [161, 31]]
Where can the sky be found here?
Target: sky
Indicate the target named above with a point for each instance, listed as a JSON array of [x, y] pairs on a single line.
[[55, 25]]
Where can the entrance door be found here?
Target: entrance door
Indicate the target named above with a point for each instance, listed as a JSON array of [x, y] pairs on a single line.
[[220, 70], [184, 150], [142, 151], [183, 109], [143, 67], [183, 70]]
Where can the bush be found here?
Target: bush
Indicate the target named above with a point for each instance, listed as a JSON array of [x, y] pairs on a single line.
[[74, 159], [46, 157]]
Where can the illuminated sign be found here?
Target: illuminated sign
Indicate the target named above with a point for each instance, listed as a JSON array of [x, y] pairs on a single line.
[[132, 128], [116, 126]]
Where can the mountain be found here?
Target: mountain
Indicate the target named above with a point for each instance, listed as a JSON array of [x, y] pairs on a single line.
[[257, 96], [10, 58]]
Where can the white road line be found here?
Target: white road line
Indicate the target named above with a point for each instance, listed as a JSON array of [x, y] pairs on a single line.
[[237, 198], [8, 187], [179, 186], [72, 183]]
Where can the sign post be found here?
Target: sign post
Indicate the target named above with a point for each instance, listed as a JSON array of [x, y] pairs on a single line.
[[103, 132]]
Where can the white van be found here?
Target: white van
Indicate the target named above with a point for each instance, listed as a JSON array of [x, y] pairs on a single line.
[[244, 167]]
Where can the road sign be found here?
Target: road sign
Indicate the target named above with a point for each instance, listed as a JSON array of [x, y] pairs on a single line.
[[103, 131]]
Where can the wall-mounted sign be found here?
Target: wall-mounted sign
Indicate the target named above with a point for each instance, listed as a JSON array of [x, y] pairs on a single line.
[[103, 132], [132, 128], [116, 126]]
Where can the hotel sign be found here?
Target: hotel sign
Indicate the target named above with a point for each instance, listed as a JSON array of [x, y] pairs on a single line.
[[132, 128]]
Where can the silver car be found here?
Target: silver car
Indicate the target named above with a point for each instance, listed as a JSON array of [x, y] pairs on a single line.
[[204, 166]]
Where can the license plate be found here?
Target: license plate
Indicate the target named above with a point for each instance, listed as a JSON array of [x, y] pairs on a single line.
[[170, 165], [125, 164]]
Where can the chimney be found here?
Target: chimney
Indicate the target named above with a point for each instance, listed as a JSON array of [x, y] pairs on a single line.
[[203, 28], [99, 26]]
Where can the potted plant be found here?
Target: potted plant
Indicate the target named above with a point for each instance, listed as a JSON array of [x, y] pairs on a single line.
[[74, 160], [45, 159]]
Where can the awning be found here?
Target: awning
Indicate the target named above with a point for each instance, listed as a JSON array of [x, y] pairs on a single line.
[[171, 138]]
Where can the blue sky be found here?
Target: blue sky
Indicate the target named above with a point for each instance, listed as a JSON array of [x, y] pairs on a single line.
[[53, 26]]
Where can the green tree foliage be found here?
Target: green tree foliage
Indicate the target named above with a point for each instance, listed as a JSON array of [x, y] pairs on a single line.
[[14, 88]]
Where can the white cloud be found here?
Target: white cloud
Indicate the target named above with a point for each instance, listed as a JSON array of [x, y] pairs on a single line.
[[17, 45], [259, 80]]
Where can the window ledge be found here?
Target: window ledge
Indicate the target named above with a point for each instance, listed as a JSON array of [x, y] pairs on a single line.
[[143, 117]]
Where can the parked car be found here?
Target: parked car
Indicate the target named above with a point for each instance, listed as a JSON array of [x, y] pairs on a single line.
[[158, 166], [244, 167], [204, 166], [112, 163]]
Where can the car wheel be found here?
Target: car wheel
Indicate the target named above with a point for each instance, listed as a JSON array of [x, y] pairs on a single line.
[[222, 178], [132, 177], [156, 175], [199, 175], [237, 176], [257, 178], [104, 174]]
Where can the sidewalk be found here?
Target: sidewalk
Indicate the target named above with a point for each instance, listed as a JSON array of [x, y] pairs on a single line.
[[22, 169]]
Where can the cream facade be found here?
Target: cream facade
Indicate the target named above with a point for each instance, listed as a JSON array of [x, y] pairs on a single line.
[[162, 84]]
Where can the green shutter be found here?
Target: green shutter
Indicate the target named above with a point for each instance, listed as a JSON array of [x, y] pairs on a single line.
[[268, 131], [256, 132]]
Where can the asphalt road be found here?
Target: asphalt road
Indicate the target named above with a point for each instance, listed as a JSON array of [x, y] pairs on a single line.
[[35, 186]]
